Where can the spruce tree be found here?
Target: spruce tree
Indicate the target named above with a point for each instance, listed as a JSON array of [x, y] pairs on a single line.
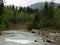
[[36, 20], [46, 9], [14, 10], [51, 20], [51, 10], [1, 11], [45, 17]]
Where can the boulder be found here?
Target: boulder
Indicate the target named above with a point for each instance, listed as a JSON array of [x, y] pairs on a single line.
[[35, 41], [50, 41]]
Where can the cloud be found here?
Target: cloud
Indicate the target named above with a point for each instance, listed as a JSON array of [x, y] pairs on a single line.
[[24, 2]]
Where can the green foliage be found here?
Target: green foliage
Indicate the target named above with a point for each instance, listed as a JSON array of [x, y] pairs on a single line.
[[49, 17], [57, 17], [36, 21], [1, 12], [46, 9]]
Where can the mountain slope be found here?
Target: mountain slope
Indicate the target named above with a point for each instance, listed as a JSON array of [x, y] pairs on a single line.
[[40, 5]]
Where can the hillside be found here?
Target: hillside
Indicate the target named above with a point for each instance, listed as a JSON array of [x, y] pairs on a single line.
[[40, 5]]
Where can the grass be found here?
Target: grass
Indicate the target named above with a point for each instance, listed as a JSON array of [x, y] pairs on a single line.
[[51, 30]]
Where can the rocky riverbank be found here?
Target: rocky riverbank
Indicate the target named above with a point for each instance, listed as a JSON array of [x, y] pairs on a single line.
[[18, 37], [49, 37]]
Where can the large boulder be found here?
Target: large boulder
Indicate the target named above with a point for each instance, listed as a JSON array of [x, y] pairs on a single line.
[[35, 31]]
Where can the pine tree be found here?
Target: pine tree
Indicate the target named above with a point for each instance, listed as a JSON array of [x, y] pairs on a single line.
[[45, 17], [51, 20], [46, 9], [1, 11], [36, 20], [51, 10], [14, 20]]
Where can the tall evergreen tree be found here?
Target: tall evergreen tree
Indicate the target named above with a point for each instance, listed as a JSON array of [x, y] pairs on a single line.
[[36, 21], [51, 10], [46, 9], [14, 14], [1, 10], [45, 17], [49, 14], [51, 20]]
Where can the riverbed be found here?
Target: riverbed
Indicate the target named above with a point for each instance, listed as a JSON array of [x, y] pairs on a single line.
[[13, 37]]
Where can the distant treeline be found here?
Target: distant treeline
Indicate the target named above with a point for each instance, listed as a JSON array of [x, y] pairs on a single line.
[[48, 17]]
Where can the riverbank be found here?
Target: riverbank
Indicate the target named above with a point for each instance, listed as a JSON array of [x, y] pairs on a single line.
[[49, 36], [14, 37]]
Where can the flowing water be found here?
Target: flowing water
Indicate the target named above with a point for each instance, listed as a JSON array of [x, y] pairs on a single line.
[[20, 38]]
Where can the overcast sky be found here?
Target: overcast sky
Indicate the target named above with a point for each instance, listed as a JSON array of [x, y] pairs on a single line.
[[25, 2]]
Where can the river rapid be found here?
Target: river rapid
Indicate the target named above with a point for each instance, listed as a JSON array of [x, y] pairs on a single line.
[[13, 37]]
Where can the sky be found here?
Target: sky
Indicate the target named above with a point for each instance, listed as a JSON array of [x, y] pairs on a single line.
[[25, 3]]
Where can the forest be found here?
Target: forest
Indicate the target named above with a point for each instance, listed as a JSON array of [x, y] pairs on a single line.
[[47, 18]]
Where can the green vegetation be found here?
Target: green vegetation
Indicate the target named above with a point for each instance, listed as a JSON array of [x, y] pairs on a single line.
[[54, 31], [48, 17]]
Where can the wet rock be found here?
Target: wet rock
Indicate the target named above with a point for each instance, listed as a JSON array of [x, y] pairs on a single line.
[[51, 36], [37, 32], [35, 41], [50, 41], [32, 32], [44, 41]]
